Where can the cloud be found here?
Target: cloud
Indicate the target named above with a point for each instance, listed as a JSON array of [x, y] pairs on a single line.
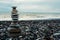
[[5, 1], [38, 5], [32, 5], [38, 8], [18, 1]]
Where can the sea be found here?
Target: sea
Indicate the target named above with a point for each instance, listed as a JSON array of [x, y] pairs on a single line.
[[31, 16]]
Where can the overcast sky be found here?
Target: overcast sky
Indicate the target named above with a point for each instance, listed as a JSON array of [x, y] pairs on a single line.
[[30, 5]]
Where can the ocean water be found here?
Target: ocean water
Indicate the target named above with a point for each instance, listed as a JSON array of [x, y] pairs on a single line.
[[31, 16]]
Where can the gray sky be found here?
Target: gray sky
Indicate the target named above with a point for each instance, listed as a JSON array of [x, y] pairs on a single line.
[[30, 5]]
